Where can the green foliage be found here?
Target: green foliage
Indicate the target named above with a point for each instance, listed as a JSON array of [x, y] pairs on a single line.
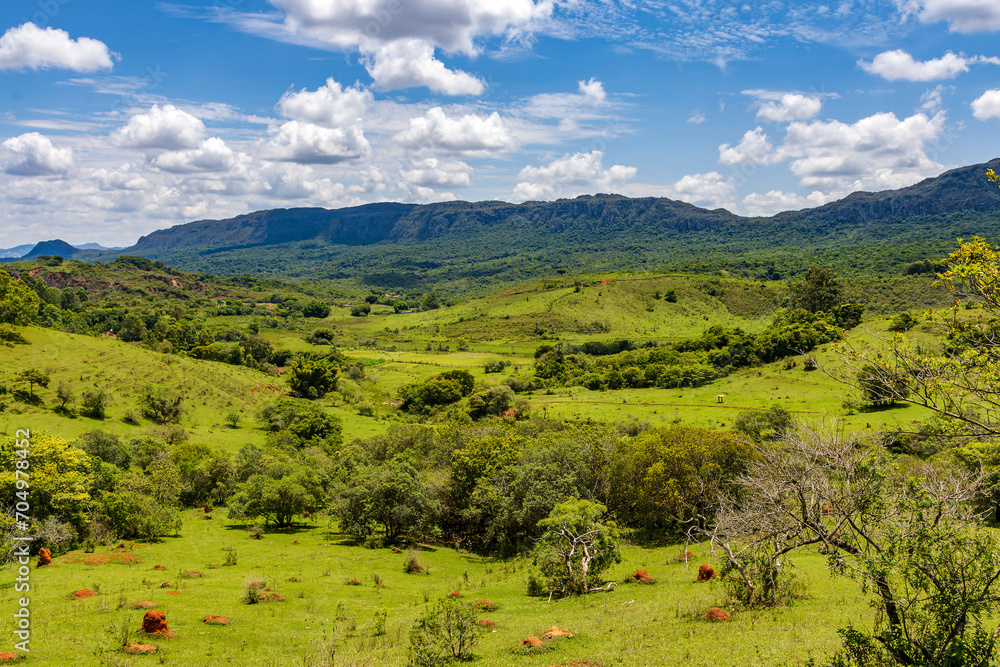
[[819, 291], [58, 474], [881, 387], [18, 303], [493, 401], [446, 632], [32, 376], [160, 405], [761, 426], [436, 391], [903, 322], [134, 515], [674, 475], [311, 376], [361, 310], [93, 403], [316, 309], [577, 546], [301, 424], [277, 500], [391, 495]]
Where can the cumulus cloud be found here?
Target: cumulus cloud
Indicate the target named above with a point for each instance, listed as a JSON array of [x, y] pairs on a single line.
[[470, 134], [711, 190], [306, 143], [964, 16], [791, 106], [329, 105], [29, 47], [212, 155], [432, 172], [776, 201], [33, 154], [390, 31], [411, 62], [164, 127], [123, 178], [877, 152], [987, 105], [569, 176], [589, 99], [754, 148], [593, 90], [899, 65]]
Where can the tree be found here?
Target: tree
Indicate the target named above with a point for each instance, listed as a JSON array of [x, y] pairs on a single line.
[[159, 405], [445, 633], [958, 382], [277, 500], [577, 547], [494, 401], [93, 403], [18, 302], [316, 309], [820, 291], [300, 424], [934, 573], [33, 376], [311, 376], [391, 495]]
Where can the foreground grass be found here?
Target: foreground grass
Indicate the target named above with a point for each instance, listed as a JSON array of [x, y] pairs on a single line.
[[324, 621]]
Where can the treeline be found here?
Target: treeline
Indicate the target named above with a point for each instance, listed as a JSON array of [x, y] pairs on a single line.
[[693, 362], [485, 485]]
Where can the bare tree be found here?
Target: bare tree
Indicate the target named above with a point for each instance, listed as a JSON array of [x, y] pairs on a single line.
[[911, 541]]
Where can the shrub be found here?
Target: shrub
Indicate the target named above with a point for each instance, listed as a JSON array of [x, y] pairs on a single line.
[[316, 309], [252, 587], [160, 406], [411, 565], [447, 632]]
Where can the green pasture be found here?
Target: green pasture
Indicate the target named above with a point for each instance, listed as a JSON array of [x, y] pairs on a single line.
[[325, 621]]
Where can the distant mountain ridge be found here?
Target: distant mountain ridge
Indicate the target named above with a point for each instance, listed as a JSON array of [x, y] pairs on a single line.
[[960, 190], [54, 247]]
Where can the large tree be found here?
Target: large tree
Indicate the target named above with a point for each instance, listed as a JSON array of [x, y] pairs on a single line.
[[18, 302], [820, 291]]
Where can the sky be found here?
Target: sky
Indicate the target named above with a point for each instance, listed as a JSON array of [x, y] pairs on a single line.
[[120, 117]]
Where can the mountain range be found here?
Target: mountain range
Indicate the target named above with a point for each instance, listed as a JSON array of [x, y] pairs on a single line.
[[458, 245]]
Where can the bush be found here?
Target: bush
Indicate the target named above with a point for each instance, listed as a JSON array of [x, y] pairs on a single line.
[[160, 406], [447, 632], [93, 403], [496, 366], [316, 309], [412, 565]]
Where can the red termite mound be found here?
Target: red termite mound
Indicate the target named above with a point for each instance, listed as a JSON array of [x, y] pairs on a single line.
[[155, 623], [642, 577], [44, 557], [705, 572], [716, 614], [533, 642]]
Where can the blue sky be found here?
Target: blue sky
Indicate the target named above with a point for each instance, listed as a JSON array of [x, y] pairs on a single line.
[[118, 118]]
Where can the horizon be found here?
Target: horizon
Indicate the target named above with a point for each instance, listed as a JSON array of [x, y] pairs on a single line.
[[122, 119]]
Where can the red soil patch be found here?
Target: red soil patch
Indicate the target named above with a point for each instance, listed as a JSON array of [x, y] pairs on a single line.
[[486, 605], [353, 582], [155, 623], [716, 614], [271, 596], [175, 592], [687, 555], [145, 604], [206, 516], [213, 566], [192, 574], [84, 593], [554, 632], [9, 656], [395, 550], [165, 584], [413, 568], [486, 623], [705, 573], [137, 649], [533, 642], [216, 620], [293, 578], [92, 560], [44, 557], [455, 594], [582, 663], [208, 509], [159, 567], [642, 577]]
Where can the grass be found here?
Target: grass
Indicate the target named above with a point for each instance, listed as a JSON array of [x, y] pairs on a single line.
[[632, 625]]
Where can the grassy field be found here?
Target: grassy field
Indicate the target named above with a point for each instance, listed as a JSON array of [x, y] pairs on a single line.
[[324, 621]]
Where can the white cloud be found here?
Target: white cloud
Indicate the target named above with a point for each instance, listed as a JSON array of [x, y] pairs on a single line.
[[390, 31], [754, 148], [964, 16], [164, 127], [33, 154], [470, 134], [432, 172], [306, 143], [212, 155], [710, 190], [987, 105], [411, 62], [123, 178], [899, 65], [776, 201], [697, 117], [569, 176], [29, 47], [877, 152], [593, 90], [330, 105], [933, 98], [791, 106]]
